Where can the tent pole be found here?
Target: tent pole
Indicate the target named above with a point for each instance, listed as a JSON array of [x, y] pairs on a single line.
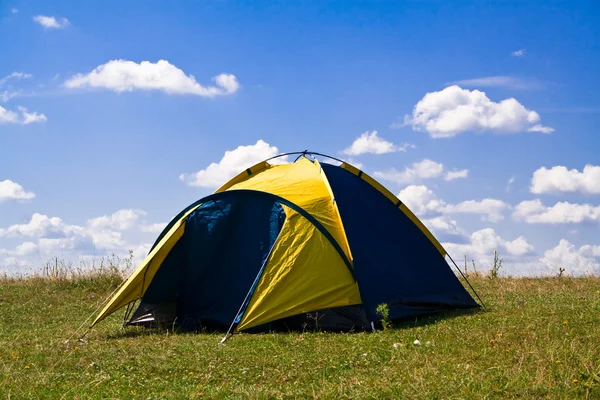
[[244, 304], [128, 311], [468, 283], [304, 153], [227, 335]]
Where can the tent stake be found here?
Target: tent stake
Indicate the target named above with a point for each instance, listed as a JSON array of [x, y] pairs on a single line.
[[84, 334], [224, 338], [235, 318]]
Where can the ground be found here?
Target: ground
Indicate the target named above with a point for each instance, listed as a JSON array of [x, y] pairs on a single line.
[[539, 338]]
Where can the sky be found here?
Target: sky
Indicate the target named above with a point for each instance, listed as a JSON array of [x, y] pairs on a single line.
[[481, 116]]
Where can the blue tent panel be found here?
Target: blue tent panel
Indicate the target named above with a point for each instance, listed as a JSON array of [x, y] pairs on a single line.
[[394, 262], [210, 270]]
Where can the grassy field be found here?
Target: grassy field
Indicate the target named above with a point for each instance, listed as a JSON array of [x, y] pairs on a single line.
[[540, 338]]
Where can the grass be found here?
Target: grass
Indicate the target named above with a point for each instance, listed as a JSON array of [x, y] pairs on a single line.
[[540, 338]]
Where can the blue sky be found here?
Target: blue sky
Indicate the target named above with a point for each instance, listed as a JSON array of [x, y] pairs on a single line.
[[96, 131]]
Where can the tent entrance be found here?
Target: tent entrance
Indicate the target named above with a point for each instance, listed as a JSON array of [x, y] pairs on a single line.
[[206, 276]]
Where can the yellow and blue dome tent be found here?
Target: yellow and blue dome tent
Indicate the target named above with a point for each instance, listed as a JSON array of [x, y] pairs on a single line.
[[281, 245]]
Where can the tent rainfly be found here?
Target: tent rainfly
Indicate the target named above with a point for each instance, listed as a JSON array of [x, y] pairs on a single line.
[[283, 246]]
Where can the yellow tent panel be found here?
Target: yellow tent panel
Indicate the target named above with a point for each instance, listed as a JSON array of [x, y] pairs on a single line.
[[303, 274], [302, 183], [134, 288]]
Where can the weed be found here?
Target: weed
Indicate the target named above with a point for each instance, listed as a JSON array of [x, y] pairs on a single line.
[[383, 310], [497, 264], [315, 318]]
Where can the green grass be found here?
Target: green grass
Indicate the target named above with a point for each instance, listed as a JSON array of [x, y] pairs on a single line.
[[540, 338]]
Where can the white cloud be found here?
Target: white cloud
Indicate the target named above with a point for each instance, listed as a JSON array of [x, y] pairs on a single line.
[[228, 82], [31, 118], [511, 180], [25, 117], [105, 228], [49, 237], [141, 250], [232, 163], [518, 53], [369, 142], [126, 76], [490, 209], [423, 202], [454, 110], [559, 179], [42, 226], [8, 117], [540, 128], [15, 75], [498, 81], [442, 223], [100, 236], [425, 169], [51, 22], [14, 10], [106, 231], [518, 247], [445, 229], [153, 228], [15, 262], [534, 212], [75, 243], [105, 239], [482, 243], [6, 95], [478, 248], [10, 190], [23, 249], [120, 220], [576, 262], [460, 174]]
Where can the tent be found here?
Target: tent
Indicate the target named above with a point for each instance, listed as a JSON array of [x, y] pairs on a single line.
[[288, 246]]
